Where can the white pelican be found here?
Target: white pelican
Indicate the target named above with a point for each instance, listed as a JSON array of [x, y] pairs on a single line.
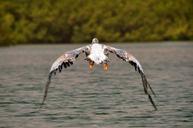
[[97, 53]]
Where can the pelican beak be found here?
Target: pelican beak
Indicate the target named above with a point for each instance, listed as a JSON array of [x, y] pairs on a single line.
[[105, 67], [91, 65]]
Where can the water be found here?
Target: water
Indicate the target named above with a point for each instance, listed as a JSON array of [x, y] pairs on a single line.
[[79, 98]]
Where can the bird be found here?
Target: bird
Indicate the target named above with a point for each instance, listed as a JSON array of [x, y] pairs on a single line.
[[98, 54]]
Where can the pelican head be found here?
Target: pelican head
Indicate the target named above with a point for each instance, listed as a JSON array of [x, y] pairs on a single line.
[[95, 41]]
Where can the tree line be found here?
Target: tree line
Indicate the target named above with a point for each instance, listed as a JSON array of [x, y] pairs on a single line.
[[77, 21]]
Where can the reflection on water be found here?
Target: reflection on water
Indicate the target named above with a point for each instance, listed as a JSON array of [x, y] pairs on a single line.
[[79, 98]]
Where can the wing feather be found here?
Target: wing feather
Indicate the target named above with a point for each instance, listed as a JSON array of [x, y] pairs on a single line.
[[125, 56], [64, 61]]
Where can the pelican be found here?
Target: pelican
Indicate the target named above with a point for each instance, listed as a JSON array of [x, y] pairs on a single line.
[[97, 53]]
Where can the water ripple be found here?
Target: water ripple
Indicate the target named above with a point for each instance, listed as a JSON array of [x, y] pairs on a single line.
[[79, 98]]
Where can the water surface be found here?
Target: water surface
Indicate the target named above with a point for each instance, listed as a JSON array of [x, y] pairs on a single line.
[[79, 98]]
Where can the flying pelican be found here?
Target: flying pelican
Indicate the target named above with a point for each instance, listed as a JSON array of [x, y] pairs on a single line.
[[97, 53]]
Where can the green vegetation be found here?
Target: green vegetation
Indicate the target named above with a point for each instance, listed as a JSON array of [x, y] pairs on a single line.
[[76, 21]]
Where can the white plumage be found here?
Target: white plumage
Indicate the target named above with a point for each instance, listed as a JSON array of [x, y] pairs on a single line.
[[97, 54]]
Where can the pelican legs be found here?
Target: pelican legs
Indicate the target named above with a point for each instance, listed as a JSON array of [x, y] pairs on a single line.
[[91, 65], [105, 66]]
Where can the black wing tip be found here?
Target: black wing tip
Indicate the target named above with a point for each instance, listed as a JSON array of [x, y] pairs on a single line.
[[47, 86], [146, 84], [43, 102], [152, 91], [147, 87], [152, 102], [65, 64]]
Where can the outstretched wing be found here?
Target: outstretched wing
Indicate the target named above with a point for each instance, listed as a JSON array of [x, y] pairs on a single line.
[[64, 61], [125, 56]]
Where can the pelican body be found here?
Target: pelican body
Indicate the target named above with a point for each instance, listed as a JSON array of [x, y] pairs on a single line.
[[97, 53]]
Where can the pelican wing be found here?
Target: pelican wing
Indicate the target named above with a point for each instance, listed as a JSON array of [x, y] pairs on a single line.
[[125, 56], [64, 61]]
